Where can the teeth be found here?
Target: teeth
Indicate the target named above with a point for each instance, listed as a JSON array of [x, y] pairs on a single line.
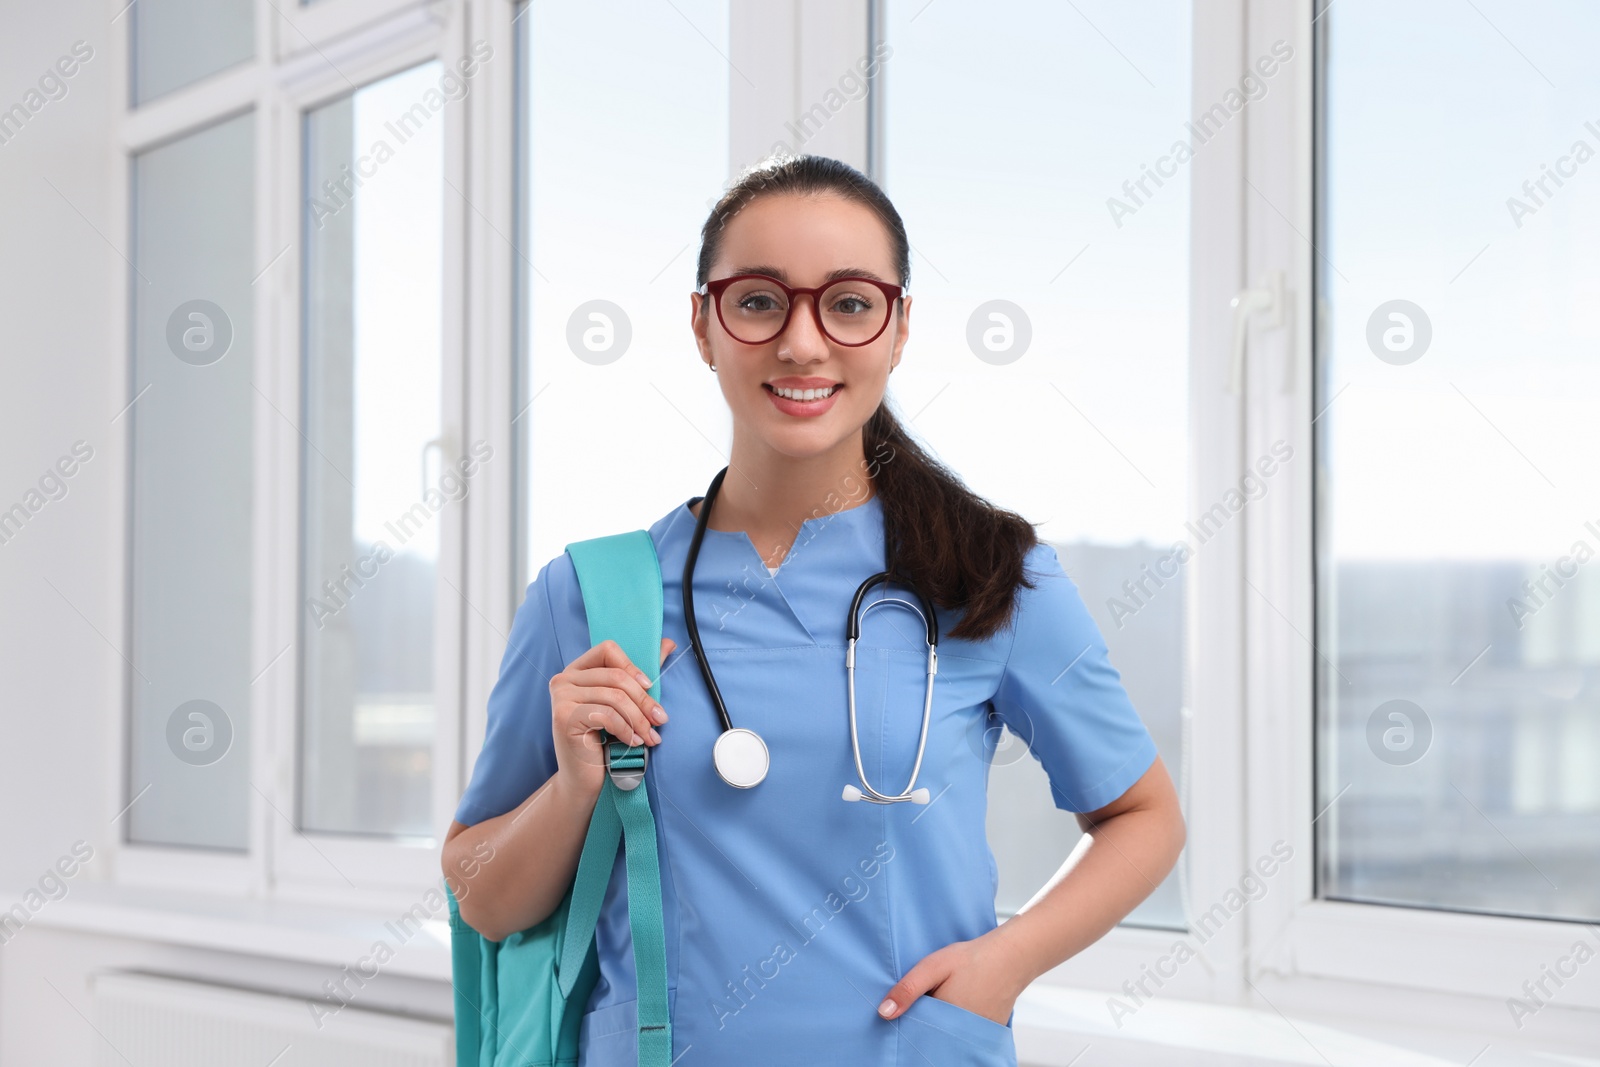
[[802, 394]]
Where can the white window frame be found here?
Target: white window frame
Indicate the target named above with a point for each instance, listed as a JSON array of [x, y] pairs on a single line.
[[306, 56], [1313, 951], [1251, 742]]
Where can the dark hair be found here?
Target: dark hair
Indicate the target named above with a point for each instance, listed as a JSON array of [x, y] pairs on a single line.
[[963, 552]]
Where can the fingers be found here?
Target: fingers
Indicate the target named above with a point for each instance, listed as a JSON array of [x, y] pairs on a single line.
[[619, 725], [610, 655], [604, 679], [917, 981]]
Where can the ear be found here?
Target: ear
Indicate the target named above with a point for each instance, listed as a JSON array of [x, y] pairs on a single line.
[[901, 332], [700, 323]]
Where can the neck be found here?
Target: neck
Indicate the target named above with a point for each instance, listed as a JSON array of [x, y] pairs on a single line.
[[768, 494]]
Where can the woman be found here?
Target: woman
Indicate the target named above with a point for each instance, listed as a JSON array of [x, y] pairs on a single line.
[[800, 928]]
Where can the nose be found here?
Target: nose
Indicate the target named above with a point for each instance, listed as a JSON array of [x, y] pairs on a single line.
[[801, 340]]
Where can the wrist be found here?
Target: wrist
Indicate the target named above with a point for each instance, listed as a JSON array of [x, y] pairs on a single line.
[[1018, 961], [577, 789]]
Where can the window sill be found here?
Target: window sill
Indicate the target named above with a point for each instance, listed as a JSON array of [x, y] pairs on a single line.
[[284, 930]]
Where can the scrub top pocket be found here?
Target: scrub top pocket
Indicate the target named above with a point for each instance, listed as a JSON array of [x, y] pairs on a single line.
[[947, 1035]]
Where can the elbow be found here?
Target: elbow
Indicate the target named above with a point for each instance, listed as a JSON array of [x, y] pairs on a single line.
[[460, 863], [1177, 835]]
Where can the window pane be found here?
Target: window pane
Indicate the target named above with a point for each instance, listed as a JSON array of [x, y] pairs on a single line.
[[373, 485], [192, 530], [624, 150], [178, 42], [1042, 310], [1459, 714]]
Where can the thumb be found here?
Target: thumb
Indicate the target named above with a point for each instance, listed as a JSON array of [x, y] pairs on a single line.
[[917, 981], [667, 645]]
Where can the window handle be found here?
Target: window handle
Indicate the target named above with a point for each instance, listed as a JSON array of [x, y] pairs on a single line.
[[434, 445], [1267, 300]]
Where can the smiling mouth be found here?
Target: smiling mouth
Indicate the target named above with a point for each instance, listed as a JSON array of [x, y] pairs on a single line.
[[804, 395]]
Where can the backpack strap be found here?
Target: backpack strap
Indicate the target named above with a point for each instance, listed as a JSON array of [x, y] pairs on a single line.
[[620, 576]]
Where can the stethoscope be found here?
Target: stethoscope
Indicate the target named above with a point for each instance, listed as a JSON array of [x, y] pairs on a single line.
[[740, 755]]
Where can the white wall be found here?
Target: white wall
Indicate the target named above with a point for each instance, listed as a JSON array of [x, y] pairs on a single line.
[[60, 256]]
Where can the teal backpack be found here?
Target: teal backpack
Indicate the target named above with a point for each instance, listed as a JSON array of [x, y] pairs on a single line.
[[519, 1002]]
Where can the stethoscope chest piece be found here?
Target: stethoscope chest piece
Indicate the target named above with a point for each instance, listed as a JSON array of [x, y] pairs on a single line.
[[741, 757]]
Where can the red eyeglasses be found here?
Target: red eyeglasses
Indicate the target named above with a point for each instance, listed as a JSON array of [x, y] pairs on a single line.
[[755, 308]]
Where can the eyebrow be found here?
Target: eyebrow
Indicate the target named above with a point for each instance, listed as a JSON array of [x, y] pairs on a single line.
[[831, 276]]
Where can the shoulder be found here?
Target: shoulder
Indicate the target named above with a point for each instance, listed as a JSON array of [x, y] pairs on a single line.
[[1050, 611], [555, 590]]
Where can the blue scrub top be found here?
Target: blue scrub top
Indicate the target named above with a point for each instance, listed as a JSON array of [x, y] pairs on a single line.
[[788, 911]]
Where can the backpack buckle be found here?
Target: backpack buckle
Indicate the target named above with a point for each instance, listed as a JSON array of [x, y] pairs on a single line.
[[626, 764]]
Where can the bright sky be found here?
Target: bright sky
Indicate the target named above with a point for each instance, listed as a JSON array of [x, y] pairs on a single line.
[[1485, 446], [398, 286]]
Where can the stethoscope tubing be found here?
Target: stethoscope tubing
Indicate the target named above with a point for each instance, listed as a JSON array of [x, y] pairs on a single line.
[[853, 633]]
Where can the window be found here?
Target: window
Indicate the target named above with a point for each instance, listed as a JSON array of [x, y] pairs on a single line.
[[178, 42], [1457, 605], [299, 468], [191, 509], [372, 472], [1051, 269], [606, 260]]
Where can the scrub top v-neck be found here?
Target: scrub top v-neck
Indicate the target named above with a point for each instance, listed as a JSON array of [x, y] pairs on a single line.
[[788, 911]]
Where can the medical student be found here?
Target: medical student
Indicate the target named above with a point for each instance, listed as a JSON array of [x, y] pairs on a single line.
[[804, 926]]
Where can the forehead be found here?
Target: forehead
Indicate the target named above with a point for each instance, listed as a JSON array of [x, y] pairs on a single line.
[[806, 237]]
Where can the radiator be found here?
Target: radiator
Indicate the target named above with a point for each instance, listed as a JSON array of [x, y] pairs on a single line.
[[149, 1019]]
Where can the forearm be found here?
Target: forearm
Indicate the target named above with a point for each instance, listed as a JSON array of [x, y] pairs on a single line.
[[1117, 864], [512, 871]]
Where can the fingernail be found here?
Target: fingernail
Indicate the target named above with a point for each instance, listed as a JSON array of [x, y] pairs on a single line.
[[659, 714], [655, 738], [637, 740], [886, 1009], [644, 679]]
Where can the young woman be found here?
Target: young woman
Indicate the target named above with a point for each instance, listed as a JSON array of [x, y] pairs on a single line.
[[802, 928]]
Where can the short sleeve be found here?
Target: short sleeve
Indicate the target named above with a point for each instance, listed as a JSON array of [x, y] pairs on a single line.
[[1060, 694], [518, 754]]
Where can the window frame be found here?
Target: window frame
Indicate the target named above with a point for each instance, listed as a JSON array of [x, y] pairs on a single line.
[[303, 59], [1252, 739], [1317, 954]]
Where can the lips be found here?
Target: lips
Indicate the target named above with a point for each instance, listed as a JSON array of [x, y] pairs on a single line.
[[804, 408]]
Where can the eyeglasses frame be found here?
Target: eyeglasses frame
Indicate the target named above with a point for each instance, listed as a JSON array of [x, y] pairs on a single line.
[[714, 290]]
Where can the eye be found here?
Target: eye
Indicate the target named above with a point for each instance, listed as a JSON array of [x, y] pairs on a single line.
[[851, 304], [759, 302]]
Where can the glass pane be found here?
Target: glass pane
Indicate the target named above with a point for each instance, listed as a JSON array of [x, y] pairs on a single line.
[[374, 488], [192, 480], [1459, 610], [178, 42], [1043, 308], [605, 257]]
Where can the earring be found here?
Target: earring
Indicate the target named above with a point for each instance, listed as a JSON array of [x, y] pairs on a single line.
[[713, 366]]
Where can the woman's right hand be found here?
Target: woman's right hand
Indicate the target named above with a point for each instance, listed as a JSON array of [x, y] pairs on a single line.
[[601, 690]]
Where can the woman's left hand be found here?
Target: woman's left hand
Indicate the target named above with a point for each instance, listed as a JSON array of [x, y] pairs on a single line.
[[977, 975]]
